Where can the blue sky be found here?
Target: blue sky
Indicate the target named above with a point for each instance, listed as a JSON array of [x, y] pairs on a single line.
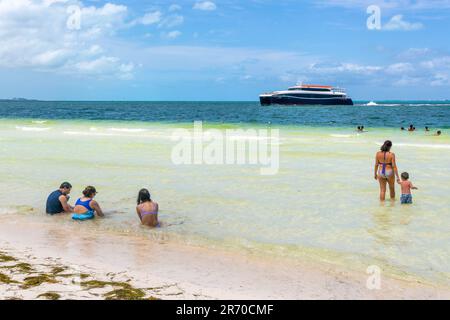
[[221, 50]]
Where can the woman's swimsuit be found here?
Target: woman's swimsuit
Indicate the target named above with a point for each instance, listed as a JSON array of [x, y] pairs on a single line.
[[146, 213], [383, 173], [87, 215]]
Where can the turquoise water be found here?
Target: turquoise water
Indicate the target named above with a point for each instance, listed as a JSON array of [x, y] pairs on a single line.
[[387, 114], [323, 203]]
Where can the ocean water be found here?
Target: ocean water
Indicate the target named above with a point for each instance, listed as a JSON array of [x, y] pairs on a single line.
[[323, 203]]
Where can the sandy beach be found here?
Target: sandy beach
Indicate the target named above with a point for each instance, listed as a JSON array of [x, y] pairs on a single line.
[[86, 266]]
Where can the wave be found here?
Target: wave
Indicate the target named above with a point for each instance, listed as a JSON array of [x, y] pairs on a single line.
[[405, 104], [420, 145], [32, 128], [89, 133], [39, 121], [341, 135], [137, 130]]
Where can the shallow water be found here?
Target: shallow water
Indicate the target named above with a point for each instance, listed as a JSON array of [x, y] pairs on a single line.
[[323, 203]]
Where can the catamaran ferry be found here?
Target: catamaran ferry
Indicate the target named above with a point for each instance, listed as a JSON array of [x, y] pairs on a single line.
[[307, 94]]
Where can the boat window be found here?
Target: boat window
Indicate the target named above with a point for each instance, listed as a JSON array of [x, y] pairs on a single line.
[[317, 89]]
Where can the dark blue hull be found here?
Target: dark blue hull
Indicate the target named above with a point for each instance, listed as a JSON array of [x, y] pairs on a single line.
[[269, 100]]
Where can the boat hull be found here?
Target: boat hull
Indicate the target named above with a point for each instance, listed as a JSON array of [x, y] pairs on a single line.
[[270, 100]]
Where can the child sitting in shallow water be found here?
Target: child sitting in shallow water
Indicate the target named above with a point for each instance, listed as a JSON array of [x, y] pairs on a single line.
[[407, 186]]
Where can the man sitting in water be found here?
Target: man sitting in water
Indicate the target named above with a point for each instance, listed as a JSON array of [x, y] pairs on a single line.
[[57, 201]]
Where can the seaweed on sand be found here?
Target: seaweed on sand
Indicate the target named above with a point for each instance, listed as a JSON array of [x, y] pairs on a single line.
[[125, 294], [22, 267], [5, 258], [58, 269], [38, 280], [50, 296], [6, 279], [123, 291]]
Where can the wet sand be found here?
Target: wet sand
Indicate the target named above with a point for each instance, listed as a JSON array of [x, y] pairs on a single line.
[[177, 271]]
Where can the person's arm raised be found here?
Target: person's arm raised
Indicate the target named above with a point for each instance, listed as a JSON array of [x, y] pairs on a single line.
[[94, 205], [67, 208]]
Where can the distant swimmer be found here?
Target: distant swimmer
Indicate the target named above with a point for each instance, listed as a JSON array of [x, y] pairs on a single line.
[[361, 129], [427, 129], [386, 170], [406, 186], [412, 128], [402, 128], [147, 209], [86, 207], [438, 133], [57, 201]]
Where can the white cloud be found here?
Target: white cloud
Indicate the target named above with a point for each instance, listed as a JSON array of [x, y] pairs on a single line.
[[415, 53], [388, 4], [151, 18], [172, 34], [397, 23], [174, 7], [323, 68], [34, 35], [172, 21], [399, 68], [205, 6]]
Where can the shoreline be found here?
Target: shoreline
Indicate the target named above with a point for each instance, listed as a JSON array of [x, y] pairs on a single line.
[[178, 272]]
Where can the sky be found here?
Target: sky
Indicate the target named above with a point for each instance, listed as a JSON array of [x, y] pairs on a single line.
[[222, 49]]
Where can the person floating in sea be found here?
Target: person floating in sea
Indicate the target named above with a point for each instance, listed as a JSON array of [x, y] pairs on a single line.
[[86, 207], [407, 186], [386, 170], [147, 210], [361, 129], [402, 128], [438, 133], [411, 128], [427, 129], [57, 201]]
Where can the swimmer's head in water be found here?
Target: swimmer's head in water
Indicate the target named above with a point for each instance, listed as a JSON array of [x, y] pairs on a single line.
[[386, 147], [405, 176], [144, 196], [90, 192], [439, 133], [65, 188]]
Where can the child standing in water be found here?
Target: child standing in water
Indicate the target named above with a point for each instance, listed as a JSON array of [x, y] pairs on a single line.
[[407, 186]]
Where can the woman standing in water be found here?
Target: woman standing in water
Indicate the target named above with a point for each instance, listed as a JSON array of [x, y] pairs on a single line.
[[147, 209], [386, 170]]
